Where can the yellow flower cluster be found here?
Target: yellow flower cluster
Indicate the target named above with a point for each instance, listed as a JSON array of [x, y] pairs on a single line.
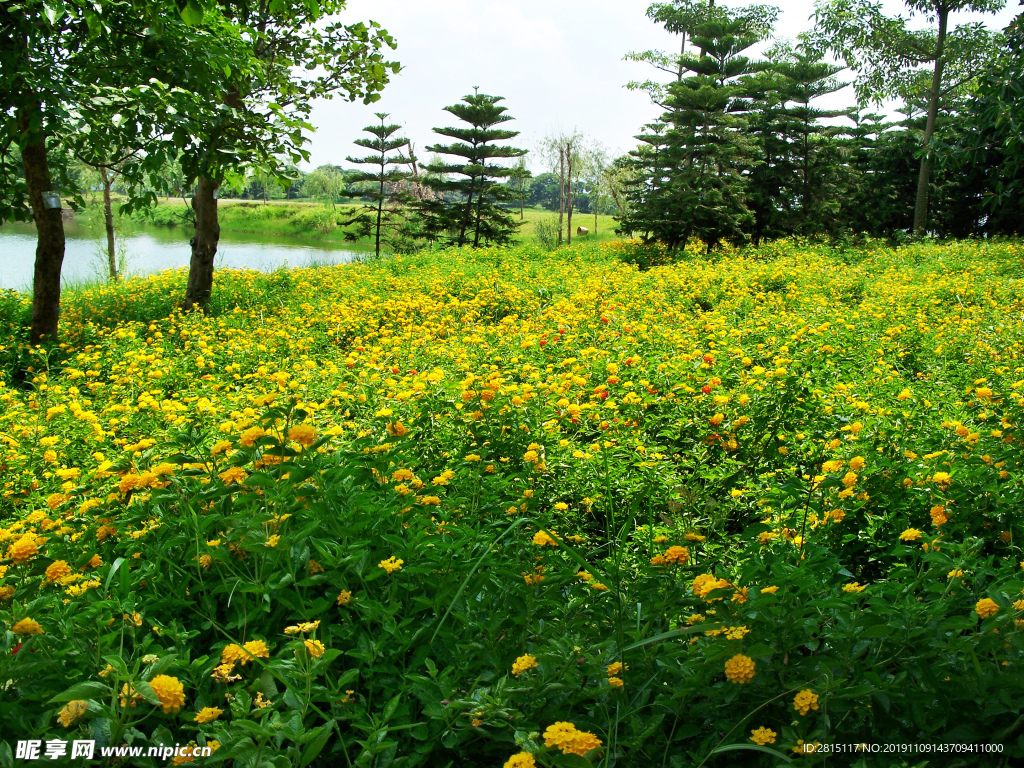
[[740, 669], [805, 701], [524, 663], [570, 740]]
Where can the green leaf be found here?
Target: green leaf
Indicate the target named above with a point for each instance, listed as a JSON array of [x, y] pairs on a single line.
[[90, 689], [192, 14], [110, 574], [755, 748], [118, 664], [879, 630], [318, 740], [465, 581], [54, 11], [672, 635], [159, 666], [145, 691]]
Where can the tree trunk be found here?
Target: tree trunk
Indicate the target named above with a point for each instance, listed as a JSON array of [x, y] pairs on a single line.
[[108, 220], [568, 186], [561, 192], [204, 245], [924, 178], [49, 228], [380, 203]]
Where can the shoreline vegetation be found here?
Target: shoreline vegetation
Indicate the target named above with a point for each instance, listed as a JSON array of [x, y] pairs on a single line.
[[316, 220]]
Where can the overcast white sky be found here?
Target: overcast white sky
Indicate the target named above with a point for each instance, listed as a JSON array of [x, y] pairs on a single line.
[[558, 63]]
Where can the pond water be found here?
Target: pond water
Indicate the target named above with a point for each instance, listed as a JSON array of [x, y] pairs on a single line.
[[151, 249]]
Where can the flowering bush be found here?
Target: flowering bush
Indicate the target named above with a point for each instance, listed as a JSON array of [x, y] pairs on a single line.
[[501, 507]]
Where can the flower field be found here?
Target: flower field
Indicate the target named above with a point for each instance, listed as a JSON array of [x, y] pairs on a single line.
[[509, 508]]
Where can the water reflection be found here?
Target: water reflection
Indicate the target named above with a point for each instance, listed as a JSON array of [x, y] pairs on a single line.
[[152, 249]]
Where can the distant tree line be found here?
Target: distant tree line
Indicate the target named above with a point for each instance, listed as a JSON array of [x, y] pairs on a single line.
[[743, 150]]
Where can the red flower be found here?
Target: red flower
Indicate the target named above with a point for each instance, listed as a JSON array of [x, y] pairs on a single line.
[[706, 389]]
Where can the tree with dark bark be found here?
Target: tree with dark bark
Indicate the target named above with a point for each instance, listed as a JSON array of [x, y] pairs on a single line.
[[890, 58], [107, 97], [301, 55], [988, 154]]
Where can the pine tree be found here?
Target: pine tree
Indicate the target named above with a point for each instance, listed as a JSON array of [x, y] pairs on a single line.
[[377, 217], [692, 181], [816, 185], [796, 184], [469, 192]]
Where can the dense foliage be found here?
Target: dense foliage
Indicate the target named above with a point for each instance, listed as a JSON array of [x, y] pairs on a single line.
[[743, 152], [500, 506]]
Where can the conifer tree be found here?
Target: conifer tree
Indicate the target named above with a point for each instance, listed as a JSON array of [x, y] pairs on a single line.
[[697, 182], [815, 185], [377, 218], [467, 208], [796, 183]]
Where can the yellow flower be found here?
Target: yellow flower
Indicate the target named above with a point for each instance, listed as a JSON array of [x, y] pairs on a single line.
[[208, 714], [129, 696], [220, 447], [850, 479], [304, 434], [740, 669], [250, 436], [677, 555], [315, 648], [57, 570], [302, 627], [27, 626], [25, 547], [911, 534], [344, 597], [569, 740], [616, 668], [857, 463], [170, 692], [854, 587], [523, 663], [615, 682], [72, 712], [805, 701], [391, 564], [541, 538], [233, 475], [955, 573], [521, 760], [255, 649], [939, 516], [986, 607], [762, 736]]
